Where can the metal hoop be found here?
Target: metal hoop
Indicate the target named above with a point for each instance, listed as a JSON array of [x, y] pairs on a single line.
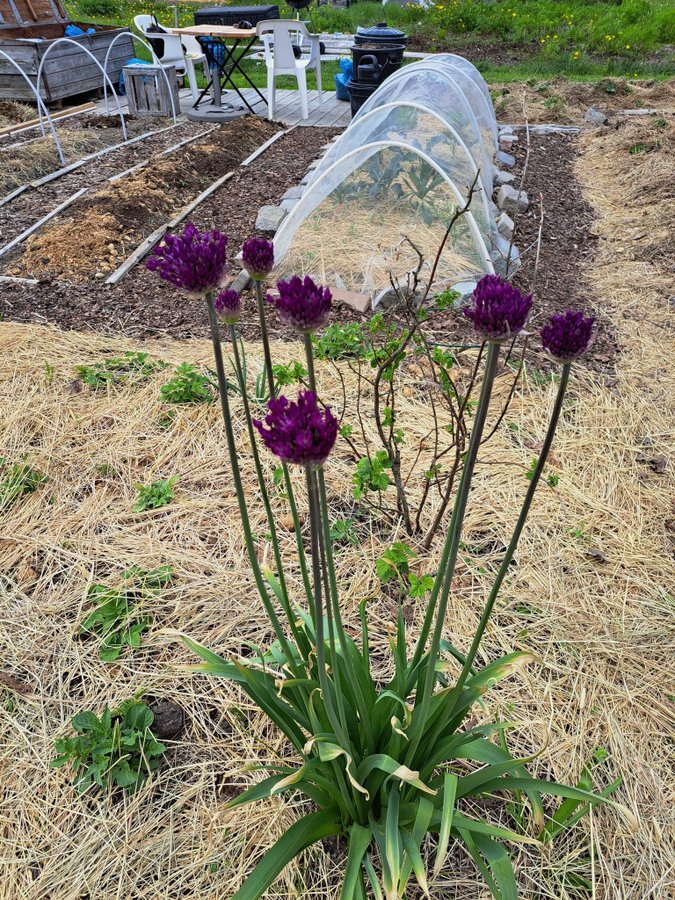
[[41, 106], [140, 40], [66, 40]]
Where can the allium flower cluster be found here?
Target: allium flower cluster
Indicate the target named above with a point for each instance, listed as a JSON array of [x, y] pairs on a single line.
[[193, 261], [499, 310], [302, 304], [567, 336], [299, 432], [228, 306], [258, 257]]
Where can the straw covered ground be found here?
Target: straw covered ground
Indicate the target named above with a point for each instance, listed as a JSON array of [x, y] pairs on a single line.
[[591, 595]]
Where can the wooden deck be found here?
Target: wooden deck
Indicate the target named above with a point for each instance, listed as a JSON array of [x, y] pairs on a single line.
[[330, 114]]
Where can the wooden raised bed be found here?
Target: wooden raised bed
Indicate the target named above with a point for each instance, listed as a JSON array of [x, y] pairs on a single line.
[[29, 27]]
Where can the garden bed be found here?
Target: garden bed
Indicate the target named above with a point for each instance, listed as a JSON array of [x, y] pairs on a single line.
[[140, 306], [28, 156], [144, 307], [106, 224], [590, 592]]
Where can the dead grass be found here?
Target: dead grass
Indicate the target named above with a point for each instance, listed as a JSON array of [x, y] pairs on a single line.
[[13, 112], [34, 159], [592, 595], [565, 102]]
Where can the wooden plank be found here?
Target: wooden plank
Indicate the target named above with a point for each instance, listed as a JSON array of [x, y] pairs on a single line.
[[15, 279], [138, 254], [177, 219], [42, 221], [14, 194], [156, 236], [35, 123]]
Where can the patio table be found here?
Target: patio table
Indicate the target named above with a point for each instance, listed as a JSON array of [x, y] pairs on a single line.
[[223, 69]]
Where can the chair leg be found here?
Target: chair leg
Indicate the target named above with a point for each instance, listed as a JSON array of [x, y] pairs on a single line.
[[270, 93], [302, 87], [317, 70], [192, 75]]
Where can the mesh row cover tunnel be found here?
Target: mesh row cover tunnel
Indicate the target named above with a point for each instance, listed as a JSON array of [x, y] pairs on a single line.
[[385, 191]]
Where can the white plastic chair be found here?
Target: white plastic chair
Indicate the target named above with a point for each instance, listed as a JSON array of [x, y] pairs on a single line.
[[280, 60], [194, 56], [174, 55]]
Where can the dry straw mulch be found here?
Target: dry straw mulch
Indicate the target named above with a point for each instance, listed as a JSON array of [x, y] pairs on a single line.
[[592, 595], [566, 102]]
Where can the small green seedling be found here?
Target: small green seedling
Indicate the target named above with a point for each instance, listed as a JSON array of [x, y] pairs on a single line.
[[371, 474], [132, 368], [552, 480], [419, 585], [154, 495], [116, 619], [117, 749], [394, 562], [293, 373], [187, 386], [342, 532], [16, 481]]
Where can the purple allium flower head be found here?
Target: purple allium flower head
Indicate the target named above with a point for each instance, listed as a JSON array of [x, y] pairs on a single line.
[[566, 337], [302, 304], [499, 310], [193, 261], [228, 306], [299, 432], [258, 257]]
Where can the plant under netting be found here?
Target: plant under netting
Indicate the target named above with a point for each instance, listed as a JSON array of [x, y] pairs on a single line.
[[422, 145], [357, 224], [383, 760]]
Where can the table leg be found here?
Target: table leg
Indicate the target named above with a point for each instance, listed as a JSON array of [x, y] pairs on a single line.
[[216, 87], [231, 65]]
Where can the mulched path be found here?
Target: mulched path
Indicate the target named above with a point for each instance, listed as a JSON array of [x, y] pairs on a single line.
[[141, 306], [568, 240]]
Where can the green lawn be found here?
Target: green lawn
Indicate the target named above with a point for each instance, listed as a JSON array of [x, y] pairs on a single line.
[[508, 39]]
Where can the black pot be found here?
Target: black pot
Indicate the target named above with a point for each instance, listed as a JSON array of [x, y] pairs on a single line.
[[359, 93], [380, 34], [388, 56]]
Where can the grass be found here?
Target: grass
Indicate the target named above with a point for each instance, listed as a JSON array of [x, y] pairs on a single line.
[[508, 40]]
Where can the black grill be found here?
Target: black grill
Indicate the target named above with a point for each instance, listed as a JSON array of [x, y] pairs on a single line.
[[232, 15]]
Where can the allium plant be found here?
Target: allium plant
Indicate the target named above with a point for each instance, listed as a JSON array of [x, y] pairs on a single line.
[[382, 764], [193, 261]]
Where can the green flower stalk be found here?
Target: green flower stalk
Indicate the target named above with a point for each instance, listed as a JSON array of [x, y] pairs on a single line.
[[379, 762], [236, 475], [258, 257]]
